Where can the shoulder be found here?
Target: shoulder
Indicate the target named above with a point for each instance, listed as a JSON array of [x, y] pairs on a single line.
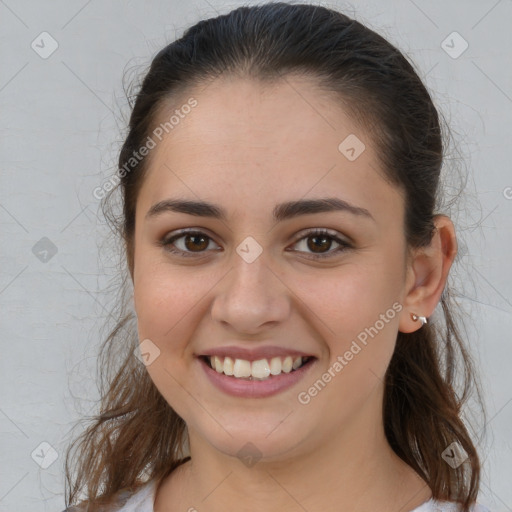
[[446, 506], [139, 499]]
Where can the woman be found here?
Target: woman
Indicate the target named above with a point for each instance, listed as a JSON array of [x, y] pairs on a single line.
[[280, 184]]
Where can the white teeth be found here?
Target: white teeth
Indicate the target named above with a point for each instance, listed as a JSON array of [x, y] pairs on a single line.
[[287, 364], [242, 368], [260, 369], [275, 366], [228, 366], [217, 364]]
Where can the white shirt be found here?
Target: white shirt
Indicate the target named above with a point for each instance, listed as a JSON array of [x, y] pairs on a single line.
[[143, 500]]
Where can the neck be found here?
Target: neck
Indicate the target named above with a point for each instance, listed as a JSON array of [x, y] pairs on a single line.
[[356, 470]]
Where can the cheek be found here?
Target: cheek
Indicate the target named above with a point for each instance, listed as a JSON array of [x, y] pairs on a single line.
[[351, 298], [166, 305], [171, 302], [347, 313], [160, 297], [356, 311], [161, 302]]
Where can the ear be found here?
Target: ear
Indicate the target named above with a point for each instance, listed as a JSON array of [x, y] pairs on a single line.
[[427, 273]]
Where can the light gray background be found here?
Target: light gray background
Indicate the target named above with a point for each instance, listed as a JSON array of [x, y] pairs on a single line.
[[60, 129]]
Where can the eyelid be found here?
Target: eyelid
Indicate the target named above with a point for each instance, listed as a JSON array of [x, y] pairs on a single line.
[[323, 231], [344, 244], [167, 240]]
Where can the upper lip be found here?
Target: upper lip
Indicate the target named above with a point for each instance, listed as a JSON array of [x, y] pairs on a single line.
[[254, 354]]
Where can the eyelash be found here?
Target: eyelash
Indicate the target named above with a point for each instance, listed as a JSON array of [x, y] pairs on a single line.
[[167, 243]]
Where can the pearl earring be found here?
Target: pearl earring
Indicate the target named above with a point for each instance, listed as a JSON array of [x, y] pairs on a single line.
[[421, 318]]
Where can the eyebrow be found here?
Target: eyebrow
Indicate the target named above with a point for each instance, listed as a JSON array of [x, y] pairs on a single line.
[[281, 212]]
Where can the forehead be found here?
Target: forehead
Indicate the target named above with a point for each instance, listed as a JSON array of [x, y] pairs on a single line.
[[256, 143]]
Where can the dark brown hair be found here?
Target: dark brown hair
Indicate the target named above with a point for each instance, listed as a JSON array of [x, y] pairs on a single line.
[[137, 436]]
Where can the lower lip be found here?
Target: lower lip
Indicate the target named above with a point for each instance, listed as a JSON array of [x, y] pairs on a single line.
[[255, 388]]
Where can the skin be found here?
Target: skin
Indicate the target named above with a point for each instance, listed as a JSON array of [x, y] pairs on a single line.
[[246, 147]]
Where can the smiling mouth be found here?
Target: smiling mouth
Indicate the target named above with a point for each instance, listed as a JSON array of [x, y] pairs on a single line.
[[262, 369]]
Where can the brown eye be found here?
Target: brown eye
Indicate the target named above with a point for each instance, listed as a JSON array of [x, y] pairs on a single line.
[[187, 243], [318, 242], [195, 242]]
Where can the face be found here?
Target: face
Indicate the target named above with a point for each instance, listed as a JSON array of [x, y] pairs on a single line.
[[265, 281]]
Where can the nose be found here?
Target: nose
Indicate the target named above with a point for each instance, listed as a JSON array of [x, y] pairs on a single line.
[[251, 297]]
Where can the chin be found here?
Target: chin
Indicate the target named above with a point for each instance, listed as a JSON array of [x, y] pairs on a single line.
[[257, 441]]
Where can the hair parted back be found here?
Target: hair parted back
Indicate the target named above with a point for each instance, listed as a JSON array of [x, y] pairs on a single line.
[[136, 436]]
